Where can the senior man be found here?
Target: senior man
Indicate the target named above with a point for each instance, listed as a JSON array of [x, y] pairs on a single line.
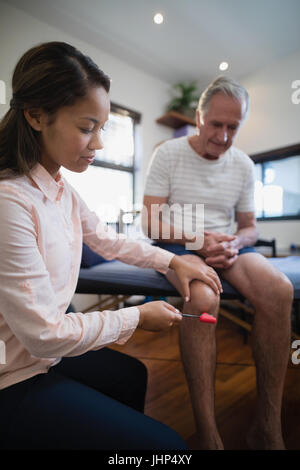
[[207, 169]]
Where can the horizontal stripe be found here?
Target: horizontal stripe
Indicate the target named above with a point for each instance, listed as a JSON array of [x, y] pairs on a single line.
[[177, 172]]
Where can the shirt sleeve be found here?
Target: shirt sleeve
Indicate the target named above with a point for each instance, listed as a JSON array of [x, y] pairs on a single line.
[[246, 200], [158, 175], [111, 245], [28, 301]]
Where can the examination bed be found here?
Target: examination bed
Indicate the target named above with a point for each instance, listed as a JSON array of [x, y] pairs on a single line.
[[98, 276]]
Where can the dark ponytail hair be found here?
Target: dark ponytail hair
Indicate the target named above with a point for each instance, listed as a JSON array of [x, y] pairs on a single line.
[[48, 76]]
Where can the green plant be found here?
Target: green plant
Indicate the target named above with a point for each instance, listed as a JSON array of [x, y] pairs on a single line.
[[186, 100]]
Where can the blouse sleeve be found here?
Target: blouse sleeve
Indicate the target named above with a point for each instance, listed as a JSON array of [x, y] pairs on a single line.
[[111, 245], [28, 300]]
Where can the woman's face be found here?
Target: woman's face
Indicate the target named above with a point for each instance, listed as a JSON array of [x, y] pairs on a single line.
[[72, 140]]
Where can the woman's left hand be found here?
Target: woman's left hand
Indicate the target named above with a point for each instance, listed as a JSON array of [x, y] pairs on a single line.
[[187, 272]]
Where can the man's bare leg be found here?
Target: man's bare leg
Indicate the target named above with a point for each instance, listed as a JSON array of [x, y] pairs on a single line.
[[198, 352], [271, 294]]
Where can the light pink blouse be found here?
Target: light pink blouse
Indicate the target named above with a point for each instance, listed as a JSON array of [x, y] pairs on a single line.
[[43, 223]]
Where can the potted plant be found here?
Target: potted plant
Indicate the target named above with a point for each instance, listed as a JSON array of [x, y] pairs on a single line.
[[185, 100]]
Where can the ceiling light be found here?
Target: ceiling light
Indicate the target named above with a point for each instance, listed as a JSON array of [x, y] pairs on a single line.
[[158, 18], [223, 66]]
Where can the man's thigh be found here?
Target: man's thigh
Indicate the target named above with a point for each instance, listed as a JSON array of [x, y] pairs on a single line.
[[253, 276]]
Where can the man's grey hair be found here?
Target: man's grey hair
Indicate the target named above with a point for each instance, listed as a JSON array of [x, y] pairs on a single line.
[[229, 87]]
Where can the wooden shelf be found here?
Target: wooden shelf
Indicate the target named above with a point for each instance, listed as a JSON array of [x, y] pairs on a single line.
[[175, 120]]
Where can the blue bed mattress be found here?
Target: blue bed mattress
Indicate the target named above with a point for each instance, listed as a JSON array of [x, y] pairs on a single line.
[[115, 277]]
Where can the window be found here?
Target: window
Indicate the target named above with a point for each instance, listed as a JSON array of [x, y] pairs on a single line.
[[277, 187], [108, 184]]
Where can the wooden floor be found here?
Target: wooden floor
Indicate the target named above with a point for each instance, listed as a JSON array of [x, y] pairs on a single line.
[[168, 401]]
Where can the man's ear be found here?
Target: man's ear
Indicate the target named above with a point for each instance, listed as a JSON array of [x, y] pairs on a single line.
[[198, 119], [34, 117]]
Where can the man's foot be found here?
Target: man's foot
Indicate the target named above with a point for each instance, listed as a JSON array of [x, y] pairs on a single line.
[[262, 439]]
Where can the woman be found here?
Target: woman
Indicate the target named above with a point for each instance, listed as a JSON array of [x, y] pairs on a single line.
[[60, 388]]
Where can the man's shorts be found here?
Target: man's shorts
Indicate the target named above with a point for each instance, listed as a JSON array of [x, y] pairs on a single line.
[[181, 250]]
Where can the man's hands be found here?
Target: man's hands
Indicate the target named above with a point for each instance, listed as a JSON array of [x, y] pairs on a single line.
[[219, 250], [187, 272], [158, 315]]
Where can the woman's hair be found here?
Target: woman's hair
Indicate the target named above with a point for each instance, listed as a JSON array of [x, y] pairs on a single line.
[[48, 76], [226, 86]]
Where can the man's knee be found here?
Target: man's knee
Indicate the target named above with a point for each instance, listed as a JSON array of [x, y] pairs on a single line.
[[203, 298], [283, 289], [278, 293]]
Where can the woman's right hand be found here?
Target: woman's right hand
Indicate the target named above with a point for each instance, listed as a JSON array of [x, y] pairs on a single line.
[[158, 315]]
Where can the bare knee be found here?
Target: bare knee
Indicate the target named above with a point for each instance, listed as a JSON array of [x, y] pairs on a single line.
[[203, 299], [283, 290], [277, 296]]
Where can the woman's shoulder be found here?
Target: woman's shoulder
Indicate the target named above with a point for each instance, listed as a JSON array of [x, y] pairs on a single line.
[[13, 181], [16, 187]]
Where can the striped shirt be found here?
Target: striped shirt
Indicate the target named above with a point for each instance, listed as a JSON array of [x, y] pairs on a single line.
[[223, 186]]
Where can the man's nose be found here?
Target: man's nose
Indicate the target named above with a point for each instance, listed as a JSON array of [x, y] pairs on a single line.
[[223, 135]]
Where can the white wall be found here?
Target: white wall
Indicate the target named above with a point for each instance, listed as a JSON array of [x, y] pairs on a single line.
[[130, 86], [274, 122]]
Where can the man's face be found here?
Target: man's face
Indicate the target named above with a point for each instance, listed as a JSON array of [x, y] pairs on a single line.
[[218, 127]]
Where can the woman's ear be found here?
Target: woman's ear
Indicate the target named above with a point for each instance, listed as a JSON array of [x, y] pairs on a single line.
[[34, 117]]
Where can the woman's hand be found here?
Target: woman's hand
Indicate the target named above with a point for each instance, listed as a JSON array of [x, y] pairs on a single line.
[[158, 315], [187, 272]]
